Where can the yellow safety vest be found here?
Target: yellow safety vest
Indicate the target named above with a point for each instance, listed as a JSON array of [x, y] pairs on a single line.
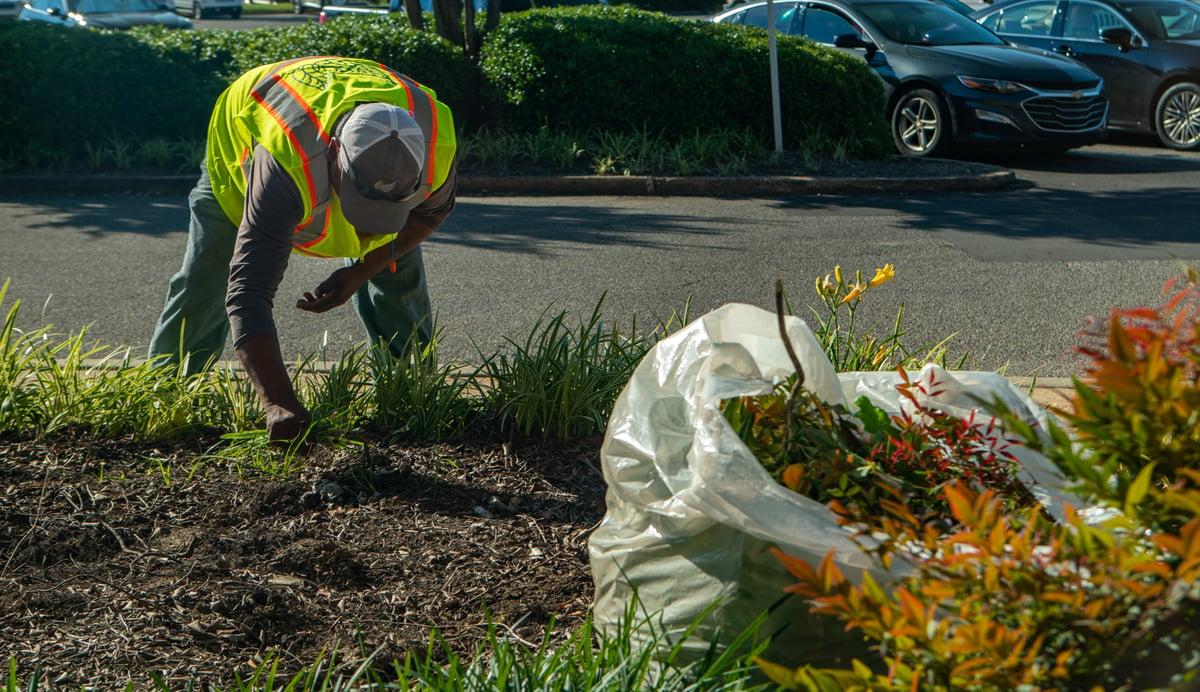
[[290, 108]]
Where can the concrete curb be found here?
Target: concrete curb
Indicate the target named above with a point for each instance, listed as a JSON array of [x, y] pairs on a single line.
[[718, 186], [557, 185]]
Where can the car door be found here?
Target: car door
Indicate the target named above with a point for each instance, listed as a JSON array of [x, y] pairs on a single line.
[[1130, 73], [1025, 23], [824, 23]]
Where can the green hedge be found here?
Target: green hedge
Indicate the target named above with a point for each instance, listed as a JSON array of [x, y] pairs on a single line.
[[615, 69], [387, 38], [66, 89], [622, 69]]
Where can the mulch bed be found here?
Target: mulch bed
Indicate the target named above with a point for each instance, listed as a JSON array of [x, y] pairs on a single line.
[[111, 570]]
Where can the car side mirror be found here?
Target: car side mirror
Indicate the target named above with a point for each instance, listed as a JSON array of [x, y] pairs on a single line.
[[855, 41], [1119, 36]]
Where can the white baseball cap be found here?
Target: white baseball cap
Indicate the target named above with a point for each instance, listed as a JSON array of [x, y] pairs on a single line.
[[382, 157]]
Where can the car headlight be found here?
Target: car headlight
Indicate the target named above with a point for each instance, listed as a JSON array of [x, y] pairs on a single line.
[[999, 86]]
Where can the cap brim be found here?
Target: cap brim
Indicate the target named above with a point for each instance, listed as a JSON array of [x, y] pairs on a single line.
[[375, 216]]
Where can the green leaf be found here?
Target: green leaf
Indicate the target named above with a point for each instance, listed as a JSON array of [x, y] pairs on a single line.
[[874, 419], [1138, 489]]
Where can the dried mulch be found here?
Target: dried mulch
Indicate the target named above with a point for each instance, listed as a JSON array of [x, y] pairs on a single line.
[[110, 570]]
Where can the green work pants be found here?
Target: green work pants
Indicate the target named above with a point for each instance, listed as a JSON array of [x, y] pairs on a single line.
[[393, 306]]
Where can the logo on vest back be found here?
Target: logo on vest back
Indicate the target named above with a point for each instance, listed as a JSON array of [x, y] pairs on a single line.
[[317, 74]]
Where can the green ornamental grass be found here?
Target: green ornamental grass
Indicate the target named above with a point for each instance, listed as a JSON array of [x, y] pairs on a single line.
[[585, 660]]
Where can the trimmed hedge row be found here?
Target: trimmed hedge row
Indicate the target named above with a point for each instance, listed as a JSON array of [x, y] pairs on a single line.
[[616, 69], [68, 88], [621, 69]]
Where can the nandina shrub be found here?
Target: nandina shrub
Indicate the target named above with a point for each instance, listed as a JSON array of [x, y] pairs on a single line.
[[1136, 410], [1009, 599], [858, 463], [1014, 601]]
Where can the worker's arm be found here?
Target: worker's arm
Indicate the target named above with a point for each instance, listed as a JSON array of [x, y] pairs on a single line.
[[424, 219], [342, 283], [287, 418], [271, 212]]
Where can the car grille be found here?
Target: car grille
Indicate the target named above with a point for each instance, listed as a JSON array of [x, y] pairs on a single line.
[[1068, 86], [1066, 114]]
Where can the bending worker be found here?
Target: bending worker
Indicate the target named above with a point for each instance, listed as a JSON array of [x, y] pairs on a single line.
[[322, 156]]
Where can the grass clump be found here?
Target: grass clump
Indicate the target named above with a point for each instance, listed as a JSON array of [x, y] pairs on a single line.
[[558, 383], [583, 659], [561, 382]]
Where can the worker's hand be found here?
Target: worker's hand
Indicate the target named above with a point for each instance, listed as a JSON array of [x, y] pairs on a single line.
[[335, 290], [288, 422]]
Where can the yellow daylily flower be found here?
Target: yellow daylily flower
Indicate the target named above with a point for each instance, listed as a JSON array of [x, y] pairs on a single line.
[[826, 287], [882, 275], [856, 290], [837, 274]]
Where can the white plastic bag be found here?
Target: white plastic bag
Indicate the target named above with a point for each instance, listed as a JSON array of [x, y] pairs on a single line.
[[691, 513]]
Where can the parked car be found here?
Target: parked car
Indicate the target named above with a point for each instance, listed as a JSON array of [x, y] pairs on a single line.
[[200, 9], [330, 11], [950, 83], [300, 6], [1147, 51], [103, 14], [960, 7], [9, 9]]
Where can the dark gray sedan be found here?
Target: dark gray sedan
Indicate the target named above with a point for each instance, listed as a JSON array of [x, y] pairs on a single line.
[[950, 83], [1147, 51]]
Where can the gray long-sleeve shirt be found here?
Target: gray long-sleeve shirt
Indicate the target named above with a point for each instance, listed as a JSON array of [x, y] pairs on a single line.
[[273, 209]]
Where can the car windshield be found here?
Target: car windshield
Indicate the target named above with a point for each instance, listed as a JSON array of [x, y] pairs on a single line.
[[926, 24], [97, 6], [1165, 20]]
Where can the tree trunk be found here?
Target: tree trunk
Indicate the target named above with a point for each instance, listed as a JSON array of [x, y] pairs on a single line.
[[472, 37], [412, 9], [445, 17], [493, 15]]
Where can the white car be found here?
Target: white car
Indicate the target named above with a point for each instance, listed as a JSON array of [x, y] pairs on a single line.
[[200, 9], [102, 14]]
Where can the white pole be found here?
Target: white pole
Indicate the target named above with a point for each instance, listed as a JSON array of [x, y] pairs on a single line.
[[774, 55]]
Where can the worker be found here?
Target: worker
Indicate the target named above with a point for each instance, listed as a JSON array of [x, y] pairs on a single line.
[[320, 156]]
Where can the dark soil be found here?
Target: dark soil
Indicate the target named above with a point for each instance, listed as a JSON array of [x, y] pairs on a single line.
[[111, 570]]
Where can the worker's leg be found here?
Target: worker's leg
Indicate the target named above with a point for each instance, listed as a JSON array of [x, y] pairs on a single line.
[[395, 305], [194, 322]]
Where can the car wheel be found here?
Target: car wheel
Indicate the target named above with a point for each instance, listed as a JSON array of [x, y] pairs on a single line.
[[1177, 117], [236, 14], [920, 125]]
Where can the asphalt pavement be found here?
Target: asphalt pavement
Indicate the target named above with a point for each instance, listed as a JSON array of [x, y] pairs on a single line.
[[1054, 392]]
